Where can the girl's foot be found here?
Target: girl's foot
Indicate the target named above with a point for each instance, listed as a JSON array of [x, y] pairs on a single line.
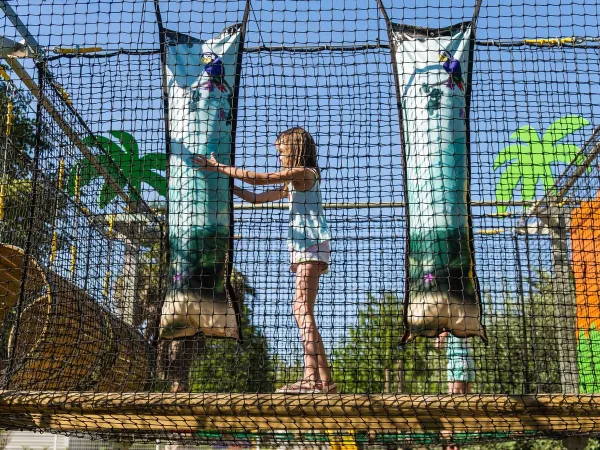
[[179, 386], [309, 387], [299, 387], [326, 388]]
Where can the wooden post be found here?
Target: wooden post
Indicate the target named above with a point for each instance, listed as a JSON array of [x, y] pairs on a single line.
[[563, 293], [131, 268], [131, 277], [524, 316], [388, 381], [565, 303], [400, 376], [553, 221]]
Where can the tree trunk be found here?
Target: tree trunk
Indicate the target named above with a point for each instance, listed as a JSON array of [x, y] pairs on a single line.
[[388, 381]]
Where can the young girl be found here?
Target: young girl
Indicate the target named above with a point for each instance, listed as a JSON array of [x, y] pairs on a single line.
[[308, 239]]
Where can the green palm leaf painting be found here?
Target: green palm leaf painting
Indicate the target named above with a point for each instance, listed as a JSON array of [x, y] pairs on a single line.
[[588, 351], [134, 171], [530, 161]]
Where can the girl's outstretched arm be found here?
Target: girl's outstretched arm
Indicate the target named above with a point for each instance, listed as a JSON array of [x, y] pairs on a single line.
[[271, 195], [247, 176]]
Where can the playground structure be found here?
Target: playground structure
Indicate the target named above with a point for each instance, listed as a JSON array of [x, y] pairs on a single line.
[[83, 244]]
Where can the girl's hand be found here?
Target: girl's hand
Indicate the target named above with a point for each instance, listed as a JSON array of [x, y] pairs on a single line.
[[207, 164]]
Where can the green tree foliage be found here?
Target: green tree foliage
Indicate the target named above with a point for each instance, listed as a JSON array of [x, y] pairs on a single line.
[[227, 366], [16, 177], [537, 444], [522, 356], [17, 146], [287, 372], [371, 354], [14, 226], [530, 160]]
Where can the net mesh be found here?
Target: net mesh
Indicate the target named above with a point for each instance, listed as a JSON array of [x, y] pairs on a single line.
[[87, 168]]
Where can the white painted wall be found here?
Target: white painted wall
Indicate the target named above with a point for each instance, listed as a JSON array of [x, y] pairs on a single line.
[[28, 440], [21, 440]]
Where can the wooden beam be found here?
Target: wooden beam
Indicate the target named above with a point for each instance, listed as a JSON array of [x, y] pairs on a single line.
[[181, 413]]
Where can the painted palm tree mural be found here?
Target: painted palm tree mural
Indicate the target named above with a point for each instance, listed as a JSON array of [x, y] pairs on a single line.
[[120, 157], [528, 164], [134, 170], [530, 161]]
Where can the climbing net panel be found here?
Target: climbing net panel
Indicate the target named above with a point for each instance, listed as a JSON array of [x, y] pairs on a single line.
[[456, 155]]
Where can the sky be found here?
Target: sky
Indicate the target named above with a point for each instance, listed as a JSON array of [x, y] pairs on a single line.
[[346, 100]]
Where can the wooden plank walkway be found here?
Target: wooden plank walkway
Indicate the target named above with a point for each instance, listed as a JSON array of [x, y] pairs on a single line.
[[189, 413]]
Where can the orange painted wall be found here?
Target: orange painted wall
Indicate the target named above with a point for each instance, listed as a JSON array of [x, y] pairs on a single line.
[[585, 245]]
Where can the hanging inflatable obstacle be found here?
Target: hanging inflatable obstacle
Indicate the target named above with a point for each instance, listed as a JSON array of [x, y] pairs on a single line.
[[201, 76], [432, 68]]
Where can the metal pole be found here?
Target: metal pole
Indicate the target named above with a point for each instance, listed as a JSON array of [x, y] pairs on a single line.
[[131, 270], [521, 295], [367, 205], [30, 239], [108, 52]]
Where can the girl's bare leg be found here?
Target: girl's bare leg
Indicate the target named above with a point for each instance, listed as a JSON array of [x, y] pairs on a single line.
[[316, 367], [459, 387]]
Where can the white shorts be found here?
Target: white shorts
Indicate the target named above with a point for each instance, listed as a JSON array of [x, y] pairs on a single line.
[[315, 253]]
